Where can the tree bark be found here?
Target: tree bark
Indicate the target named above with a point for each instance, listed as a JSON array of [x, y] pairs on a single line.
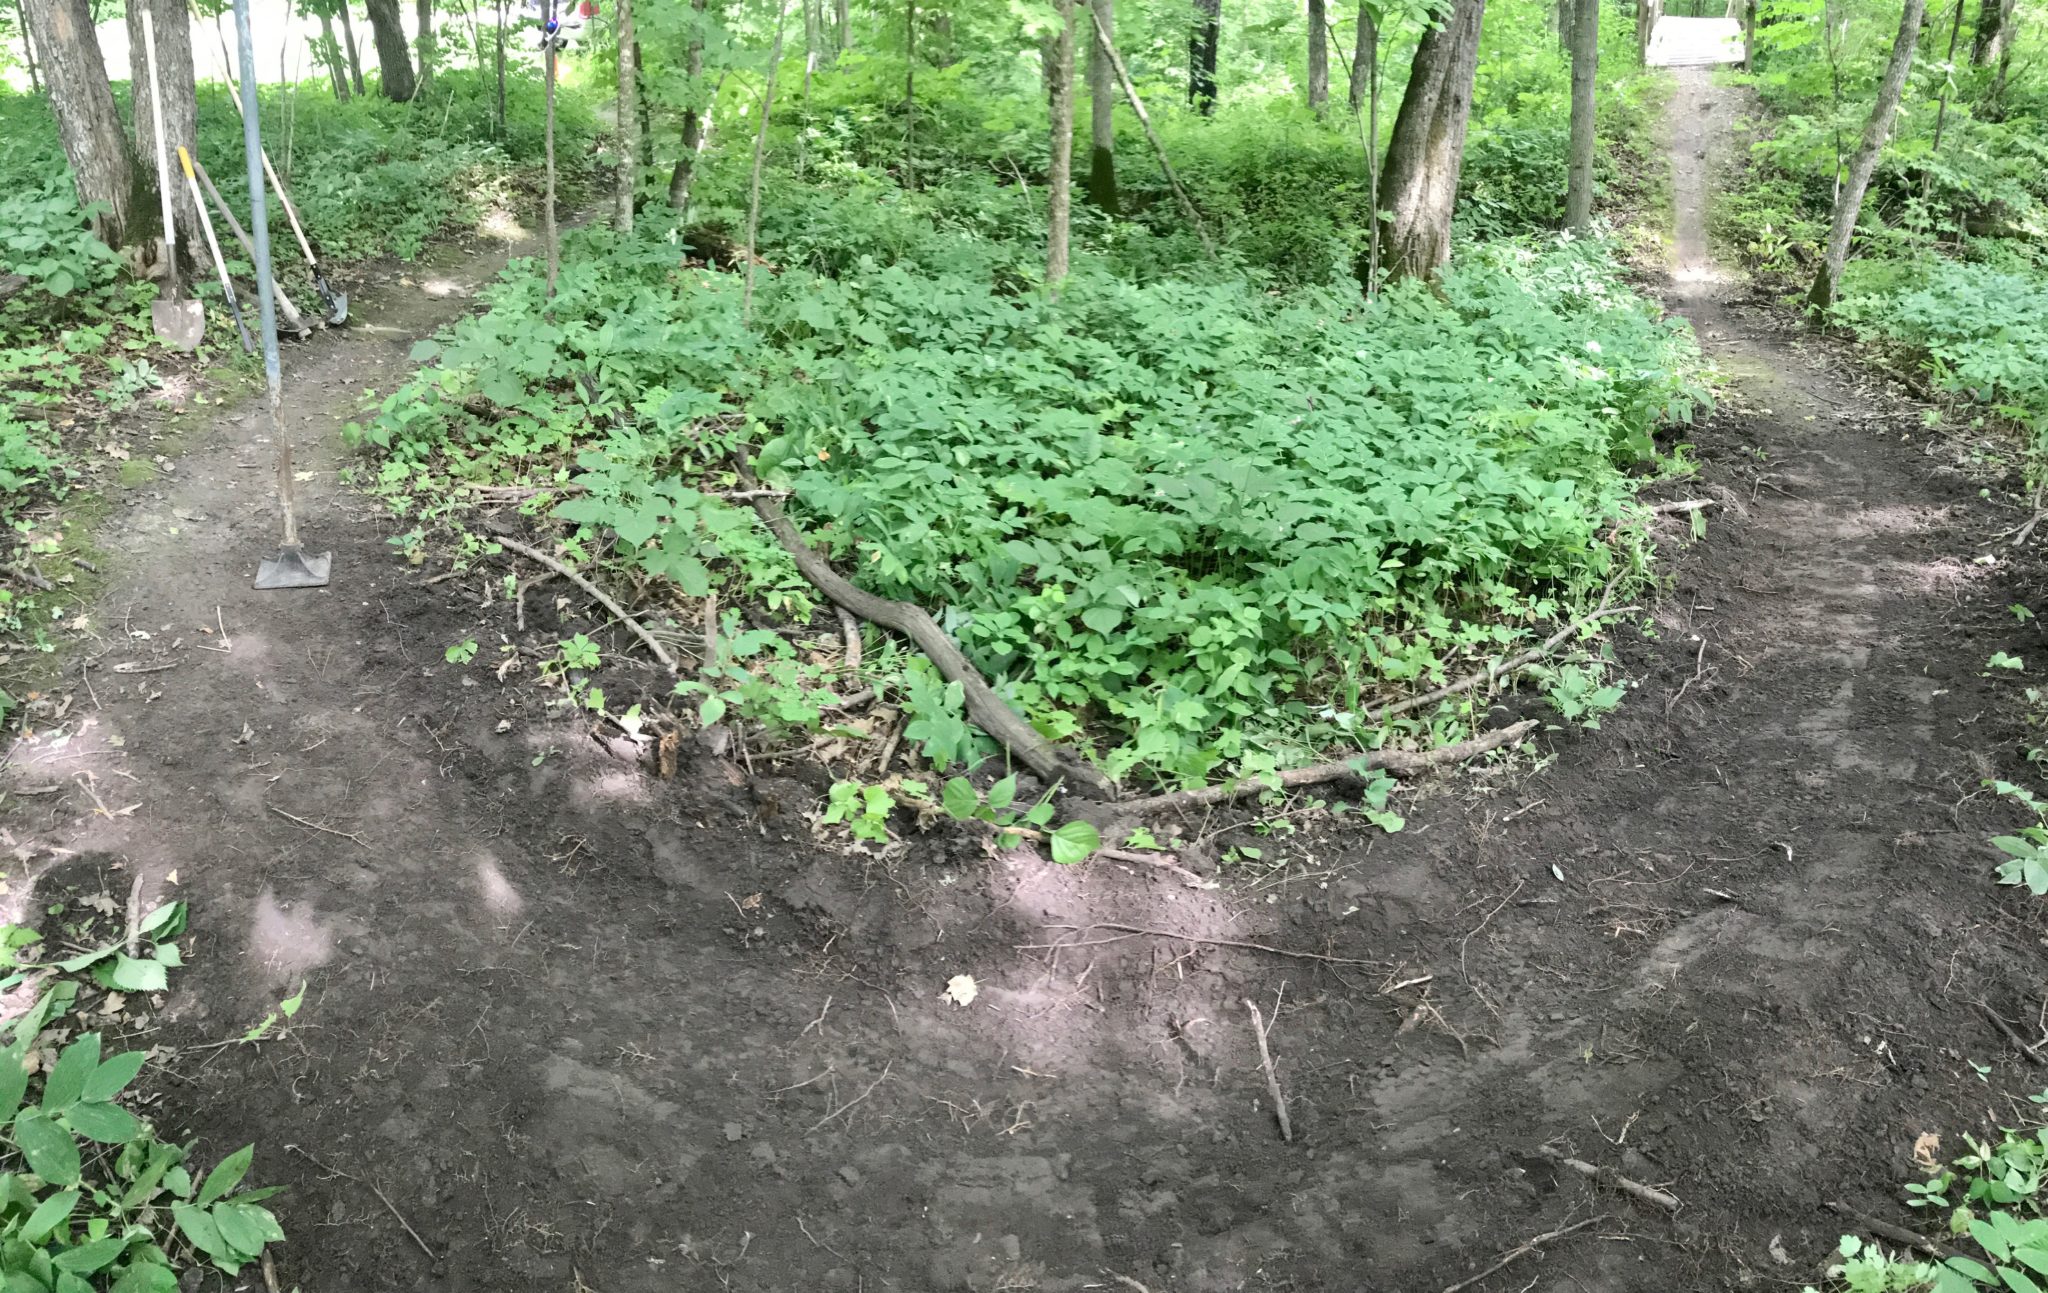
[[1419, 183], [629, 115], [693, 117], [1318, 55], [1364, 56], [1102, 96], [760, 157], [1849, 202], [1123, 78], [842, 18], [910, 94], [102, 167], [550, 234], [394, 59], [1059, 84], [330, 54], [181, 109], [501, 69], [1202, 42], [355, 54], [28, 51], [1994, 32], [1578, 195], [424, 41]]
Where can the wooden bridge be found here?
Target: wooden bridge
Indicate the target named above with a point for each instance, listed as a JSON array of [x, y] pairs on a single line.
[[1672, 41]]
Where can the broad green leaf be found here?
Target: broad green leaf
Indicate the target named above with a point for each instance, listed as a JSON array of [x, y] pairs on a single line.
[[246, 1229], [197, 1225], [114, 1075], [68, 1282], [290, 1005], [167, 921], [226, 1176], [1074, 842], [1002, 794], [13, 1084], [147, 1277], [959, 799], [49, 1149], [169, 955], [103, 1121], [67, 1078], [97, 1255], [125, 973], [49, 1214]]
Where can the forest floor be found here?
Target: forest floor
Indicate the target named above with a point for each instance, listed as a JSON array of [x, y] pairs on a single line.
[[585, 1029]]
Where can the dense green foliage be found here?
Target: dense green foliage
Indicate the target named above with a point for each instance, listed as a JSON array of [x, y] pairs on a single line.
[[1193, 515], [1952, 267]]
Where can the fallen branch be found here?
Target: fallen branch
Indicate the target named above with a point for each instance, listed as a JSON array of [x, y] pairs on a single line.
[[618, 612], [1266, 1063], [1134, 931], [1402, 763], [1163, 861], [315, 826], [1608, 1176], [1886, 1230], [987, 709], [1496, 670], [2032, 1053], [849, 630], [1684, 505], [1522, 1250], [431, 1255], [856, 1100]]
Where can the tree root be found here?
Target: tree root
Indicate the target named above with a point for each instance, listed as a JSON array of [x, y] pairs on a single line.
[[1886, 1230], [1608, 1176], [987, 709]]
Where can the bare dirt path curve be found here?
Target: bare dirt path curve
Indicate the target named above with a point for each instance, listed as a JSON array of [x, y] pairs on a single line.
[[591, 1030]]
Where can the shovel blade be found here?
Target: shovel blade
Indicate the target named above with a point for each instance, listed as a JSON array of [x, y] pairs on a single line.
[[337, 308], [294, 568], [179, 324]]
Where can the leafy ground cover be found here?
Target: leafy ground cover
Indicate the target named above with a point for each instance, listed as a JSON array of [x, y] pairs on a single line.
[[1196, 517]]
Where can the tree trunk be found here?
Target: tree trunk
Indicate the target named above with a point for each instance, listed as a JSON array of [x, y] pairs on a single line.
[[501, 69], [551, 235], [101, 166], [1364, 53], [1578, 193], [1994, 32], [1849, 202], [181, 108], [910, 95], [1202, 44], [629, 115], [394, 59], [842, 18], [1059, 82], [1419, 184], [1318, 55], [693, 117], [942, 27], [1102, 95], [355, 54], [28, 50], [812, 23], [330, 54], [424, 42]]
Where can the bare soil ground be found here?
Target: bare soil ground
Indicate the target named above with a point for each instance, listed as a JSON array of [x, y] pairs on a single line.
[[586, 1029]]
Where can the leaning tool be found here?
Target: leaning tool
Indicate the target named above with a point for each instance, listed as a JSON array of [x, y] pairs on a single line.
[[292, 318], [220, 266], [178, 321], [336, 302], [292, 567]]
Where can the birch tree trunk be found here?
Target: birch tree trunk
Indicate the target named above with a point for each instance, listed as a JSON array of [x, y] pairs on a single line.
[[1059, 79], [1318, 55], [629, 116], [101, 166], [394, 60], [1578, 193], [1849, 202], [1102, 96], [1419, 184]]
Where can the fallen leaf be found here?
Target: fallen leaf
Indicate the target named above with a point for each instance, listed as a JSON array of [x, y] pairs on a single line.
[[961, 990], [1925, 1146], [172, 878]]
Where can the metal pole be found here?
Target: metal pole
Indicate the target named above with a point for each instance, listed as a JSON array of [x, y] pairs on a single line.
[[259, 214]]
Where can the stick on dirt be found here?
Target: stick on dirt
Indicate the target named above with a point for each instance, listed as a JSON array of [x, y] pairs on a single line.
[[1272, 1079], [315, 826], [856, 1100], [987, 709], [1134, 931], [1402, 763], [1522, 1250], [385, 1198], [1886, 1230], [618, 612], [2030, 1052], [1608, 1176]]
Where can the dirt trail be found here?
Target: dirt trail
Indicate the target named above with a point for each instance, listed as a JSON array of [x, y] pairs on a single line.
[[591, 1030]]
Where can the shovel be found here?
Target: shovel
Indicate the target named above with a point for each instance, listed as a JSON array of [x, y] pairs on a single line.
[[227, 285], [178, 322], [336, 302], [292, 318], [292, 567]]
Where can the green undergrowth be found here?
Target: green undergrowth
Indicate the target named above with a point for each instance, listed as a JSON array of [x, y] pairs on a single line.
[[1187, 521]]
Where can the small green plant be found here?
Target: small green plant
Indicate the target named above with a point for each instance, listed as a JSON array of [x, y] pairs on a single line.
[[286, 1009], [579, 652], [2000, 660], [1580, 696], [461, 653], [1070, 842], [2026, 849], [864, 810]]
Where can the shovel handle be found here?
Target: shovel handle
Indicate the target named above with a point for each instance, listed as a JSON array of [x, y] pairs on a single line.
[[291, 213], [220, 266]]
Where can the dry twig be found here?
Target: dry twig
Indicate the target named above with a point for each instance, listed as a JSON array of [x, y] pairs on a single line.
[[1886, 1230], [1522, 1250], [618, 612], [1134, 931], [1608, 1176], [2032, 1053], [315, 826], [856, 1100], [388, 1204], [1266, 1063]]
